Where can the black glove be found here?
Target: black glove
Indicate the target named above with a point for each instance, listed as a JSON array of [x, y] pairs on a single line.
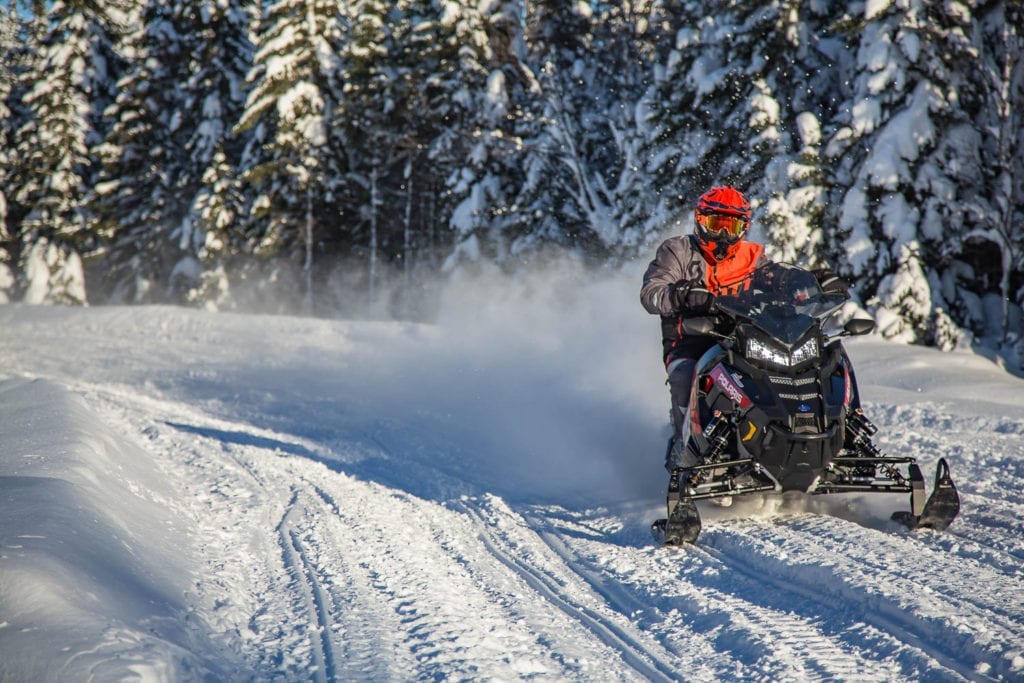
[[830, 282], [691, 297]]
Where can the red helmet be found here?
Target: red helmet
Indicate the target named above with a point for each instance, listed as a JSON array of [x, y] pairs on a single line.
[[721, 221]]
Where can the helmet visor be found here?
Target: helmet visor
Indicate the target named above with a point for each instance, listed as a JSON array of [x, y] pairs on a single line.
[[722, 226]]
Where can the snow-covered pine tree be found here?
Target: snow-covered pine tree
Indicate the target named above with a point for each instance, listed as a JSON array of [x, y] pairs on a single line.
[[220, 56], [802, 75], [419, 111], [897, 156], [695, 118], [68, 84], [554, 206], [441, 52], [641, 36], [583, 181], [372, 100], [486, 221], [212, 218], [985, 284], [740, 100], [8, 39], [630, 38], [289, 163], [174, 108], [667, 124], [135, 204]]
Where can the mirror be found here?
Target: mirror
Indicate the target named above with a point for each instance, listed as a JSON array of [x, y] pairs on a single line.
[[699, 325], [859, 326]]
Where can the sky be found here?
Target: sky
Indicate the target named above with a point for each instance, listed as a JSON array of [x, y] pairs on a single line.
[[188, 495]]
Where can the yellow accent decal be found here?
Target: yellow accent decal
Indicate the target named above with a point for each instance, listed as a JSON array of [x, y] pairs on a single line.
[[750, 434]]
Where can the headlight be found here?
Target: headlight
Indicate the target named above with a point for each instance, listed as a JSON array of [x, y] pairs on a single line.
[[767, 352], [806, 352], [770, 353]]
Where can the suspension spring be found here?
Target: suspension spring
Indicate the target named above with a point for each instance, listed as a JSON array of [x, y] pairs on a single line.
[[860, 419], [862, 429], [717, 437], [891, 472]]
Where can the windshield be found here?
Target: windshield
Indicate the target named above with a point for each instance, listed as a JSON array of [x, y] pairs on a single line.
[[781, 299]]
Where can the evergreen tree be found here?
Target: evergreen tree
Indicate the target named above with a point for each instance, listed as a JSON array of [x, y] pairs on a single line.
[[586, 184], [439, 54], [990, 263], [561, 200], [741, 100], [172, 115], [288, 162], [379, 135], [899, 215], [630, 39], [406, 109], [573, 148], [220, 58], [485, 219], [372, 84], [801, 98], [135, 205], [672, 128], [68, 85], [8, 38]]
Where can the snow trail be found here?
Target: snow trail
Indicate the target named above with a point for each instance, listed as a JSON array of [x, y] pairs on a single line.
[[331, 507]]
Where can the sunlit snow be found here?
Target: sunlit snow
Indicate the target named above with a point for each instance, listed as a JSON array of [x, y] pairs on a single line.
[[189, 495]]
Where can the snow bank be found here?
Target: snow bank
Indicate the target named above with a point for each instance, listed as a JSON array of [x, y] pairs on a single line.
[[93, 577]]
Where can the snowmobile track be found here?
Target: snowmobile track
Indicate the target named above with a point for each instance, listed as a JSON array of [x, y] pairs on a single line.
[[648, 662], [759, 562], [898, 600], [316, 600], [694, 608]]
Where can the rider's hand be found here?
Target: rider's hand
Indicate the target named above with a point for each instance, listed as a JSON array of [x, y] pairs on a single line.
[[691, 297], [830, 282]]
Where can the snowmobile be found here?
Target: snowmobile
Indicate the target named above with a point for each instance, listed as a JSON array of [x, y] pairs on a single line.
[[774, 408]]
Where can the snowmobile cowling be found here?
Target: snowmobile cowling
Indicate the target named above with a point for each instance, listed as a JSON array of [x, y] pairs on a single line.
[[774, 408]]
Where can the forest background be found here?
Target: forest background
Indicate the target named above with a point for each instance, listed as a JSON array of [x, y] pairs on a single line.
[[347, 157]]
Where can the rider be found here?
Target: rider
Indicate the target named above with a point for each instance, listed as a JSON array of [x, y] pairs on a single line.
[[686, 273], [689, 270]]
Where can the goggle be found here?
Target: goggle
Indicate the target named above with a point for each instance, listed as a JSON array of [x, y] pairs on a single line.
[[720, 224]]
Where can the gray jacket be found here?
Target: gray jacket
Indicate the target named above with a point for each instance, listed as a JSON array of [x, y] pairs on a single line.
[[680, 259]]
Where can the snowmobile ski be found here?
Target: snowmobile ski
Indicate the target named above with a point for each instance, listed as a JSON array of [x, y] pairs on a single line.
[[941, 508], [658, 530], [681, 528], [683, 522], [683, 525]]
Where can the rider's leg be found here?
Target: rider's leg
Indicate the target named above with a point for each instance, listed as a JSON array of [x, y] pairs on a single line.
[[680, 379]]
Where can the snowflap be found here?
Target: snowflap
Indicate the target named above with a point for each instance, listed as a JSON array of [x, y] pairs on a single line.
[[92, 581]]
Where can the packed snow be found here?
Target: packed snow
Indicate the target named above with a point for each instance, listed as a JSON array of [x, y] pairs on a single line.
[[209, 496]]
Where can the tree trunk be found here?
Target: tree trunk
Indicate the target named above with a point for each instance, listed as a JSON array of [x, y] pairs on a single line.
[[1005, 162], [374, 206], [308, 265], [407, 228]]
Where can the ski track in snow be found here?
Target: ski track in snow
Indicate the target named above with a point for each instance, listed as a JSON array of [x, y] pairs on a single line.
[[319, 558], [744, 603]]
